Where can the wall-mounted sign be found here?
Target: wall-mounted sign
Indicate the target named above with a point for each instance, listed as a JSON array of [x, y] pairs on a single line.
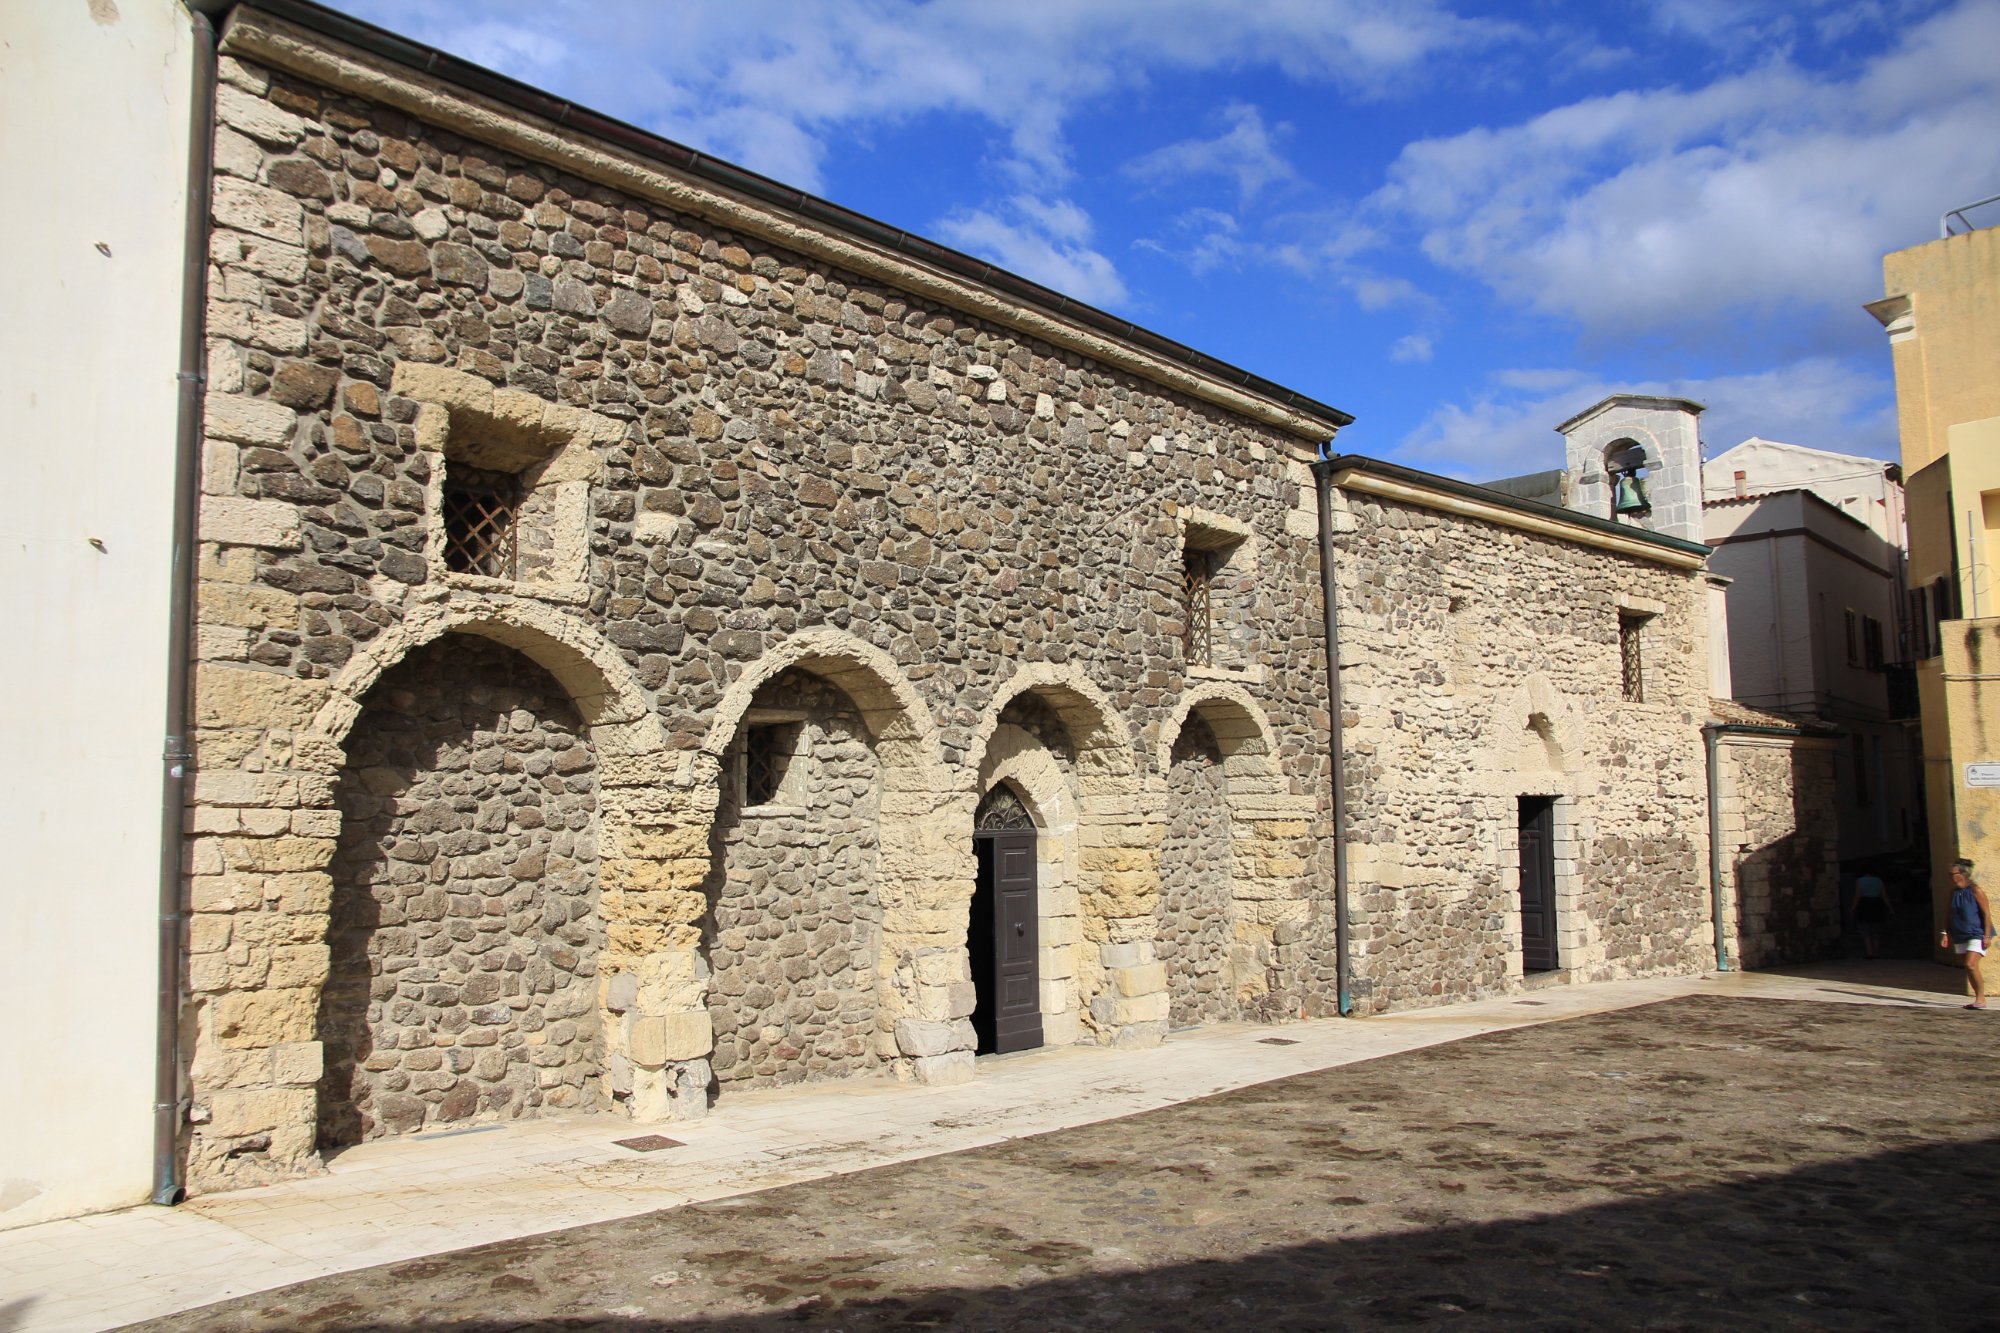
[[1982, 775]]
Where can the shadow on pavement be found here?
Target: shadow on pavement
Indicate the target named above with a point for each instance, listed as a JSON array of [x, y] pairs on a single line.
[[1898, 1239]]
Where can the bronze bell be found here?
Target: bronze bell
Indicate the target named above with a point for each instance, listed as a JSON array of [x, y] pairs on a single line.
[[1628, 495]]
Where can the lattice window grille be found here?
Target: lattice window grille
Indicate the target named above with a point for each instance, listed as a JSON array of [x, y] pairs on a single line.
[[1197, 597], [1632, 661], [767, 754], [1002, 809], [482, 525]]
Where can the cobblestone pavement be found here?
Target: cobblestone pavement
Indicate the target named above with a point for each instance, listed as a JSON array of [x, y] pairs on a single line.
[[1689, 1164]]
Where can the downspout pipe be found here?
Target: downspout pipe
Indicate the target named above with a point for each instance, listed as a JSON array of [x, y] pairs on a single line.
[[1711, 738], [1336, 748], [177, 758]]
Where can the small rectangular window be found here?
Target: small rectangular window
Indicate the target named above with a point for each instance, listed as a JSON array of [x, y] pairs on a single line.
[[1198, 604], [1853, 641], [1631, 635], [767, 755], [482, 511], [1871, 642]]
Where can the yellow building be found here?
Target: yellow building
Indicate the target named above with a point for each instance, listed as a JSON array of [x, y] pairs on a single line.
[[1942, 313]]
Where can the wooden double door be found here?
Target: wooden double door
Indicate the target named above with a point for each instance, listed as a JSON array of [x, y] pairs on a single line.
[[1003, 939]]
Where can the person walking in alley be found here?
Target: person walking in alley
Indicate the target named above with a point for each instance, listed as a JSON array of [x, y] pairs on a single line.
[[1968, 927]]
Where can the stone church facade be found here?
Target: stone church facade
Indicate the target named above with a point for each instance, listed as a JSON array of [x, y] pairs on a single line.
[[654, 643]]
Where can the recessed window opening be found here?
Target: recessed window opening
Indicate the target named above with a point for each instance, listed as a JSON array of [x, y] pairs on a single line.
[[1198, 604], [1853, 638], [482, 516], [1218, 591], [768, 751], [1871, 643], [1631, 654]]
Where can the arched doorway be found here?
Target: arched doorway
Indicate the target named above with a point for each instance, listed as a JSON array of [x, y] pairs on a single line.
[[1002, 938]]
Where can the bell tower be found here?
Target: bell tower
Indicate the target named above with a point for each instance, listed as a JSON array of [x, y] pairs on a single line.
[[1637, 460]]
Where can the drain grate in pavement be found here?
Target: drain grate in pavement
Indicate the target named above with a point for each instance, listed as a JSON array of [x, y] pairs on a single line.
[[1531, 1002], [1277, 1041], [648, 1143]]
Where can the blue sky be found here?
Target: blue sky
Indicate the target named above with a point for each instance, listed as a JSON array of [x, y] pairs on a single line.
[[1461, 223]]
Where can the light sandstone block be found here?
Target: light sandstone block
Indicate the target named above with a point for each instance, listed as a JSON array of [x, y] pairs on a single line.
[[655, 1041], [297, 1063], [1148, 979], [237, 1112], [266, 1017], [256, 117], [1062, 1029], [242, 323], [222, 643], [1125, 955], [922, 1037], [231, 787], [298, 965], [233, 696], [248, 605], [229, 416], [943, 1070], [259, 210], [268, 523], [1116, 1011]]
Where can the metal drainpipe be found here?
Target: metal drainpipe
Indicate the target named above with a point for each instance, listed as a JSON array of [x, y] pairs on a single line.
[[1337, 755], [168, 1187]]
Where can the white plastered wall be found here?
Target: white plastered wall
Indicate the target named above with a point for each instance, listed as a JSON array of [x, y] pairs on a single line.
[[95, 97]]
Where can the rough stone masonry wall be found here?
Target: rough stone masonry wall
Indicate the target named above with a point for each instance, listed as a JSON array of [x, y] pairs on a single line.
[[1780, 836], [1197, 918], [797, 920], [465, 930], [1485, 666], [762, 451]]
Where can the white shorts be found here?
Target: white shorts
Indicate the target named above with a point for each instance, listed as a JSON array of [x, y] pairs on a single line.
[[1969, 946]]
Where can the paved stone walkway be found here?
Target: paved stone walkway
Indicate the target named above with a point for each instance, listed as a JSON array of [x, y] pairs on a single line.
[[401, 1200]]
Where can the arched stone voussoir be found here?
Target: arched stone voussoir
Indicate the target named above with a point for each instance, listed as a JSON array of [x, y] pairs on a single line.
[[1015, 756], [898, 720], [1103, 742], [617, 708], [1236, 718]]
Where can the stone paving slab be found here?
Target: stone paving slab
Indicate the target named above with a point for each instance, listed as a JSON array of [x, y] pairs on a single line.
[[403, 1199]]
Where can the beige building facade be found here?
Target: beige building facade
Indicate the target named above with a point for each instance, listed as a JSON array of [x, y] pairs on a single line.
[[1942, 314]]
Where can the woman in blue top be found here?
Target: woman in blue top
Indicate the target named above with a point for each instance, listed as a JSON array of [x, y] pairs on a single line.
[[1968, 927]]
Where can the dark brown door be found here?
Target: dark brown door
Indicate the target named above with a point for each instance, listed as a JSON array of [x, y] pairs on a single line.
[[1538, 884], [1003, 944]]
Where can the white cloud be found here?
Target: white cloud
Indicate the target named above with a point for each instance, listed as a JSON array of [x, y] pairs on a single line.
[[768, 83], [1245, 152], [1771, 193], [1509, 429], [1043, 240], [1411, 347]]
